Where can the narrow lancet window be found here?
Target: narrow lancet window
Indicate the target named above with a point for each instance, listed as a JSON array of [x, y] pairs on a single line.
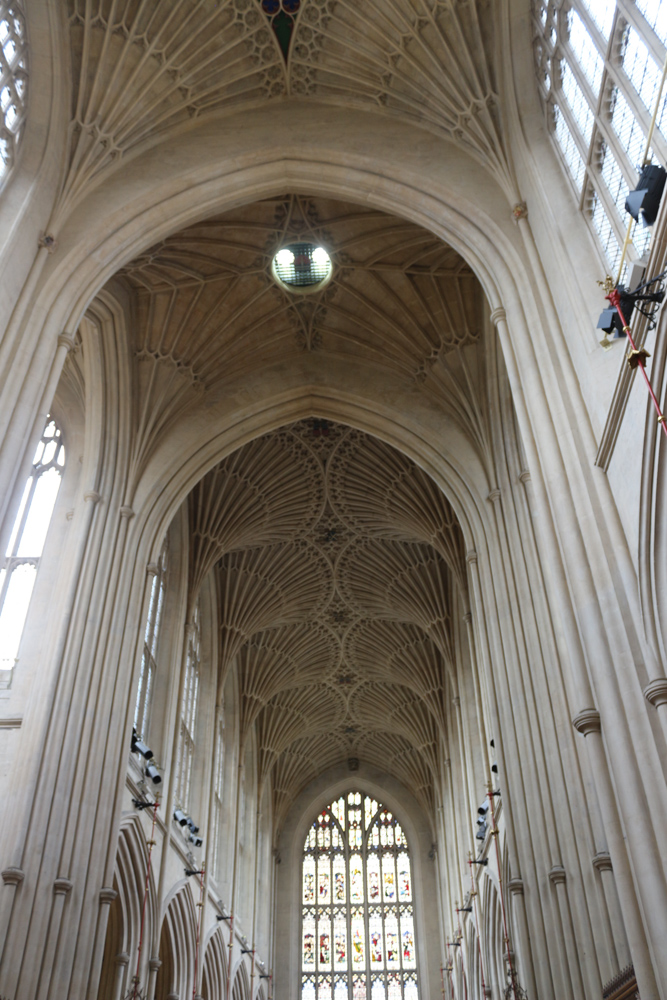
[[151, 640], [358, 935], [188, 719], [26, 541]]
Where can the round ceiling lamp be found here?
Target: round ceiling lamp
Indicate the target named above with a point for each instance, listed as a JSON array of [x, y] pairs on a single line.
[[302, 268]]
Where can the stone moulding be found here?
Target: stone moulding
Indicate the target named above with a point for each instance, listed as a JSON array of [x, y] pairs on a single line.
[[656, 692], [587, 721]]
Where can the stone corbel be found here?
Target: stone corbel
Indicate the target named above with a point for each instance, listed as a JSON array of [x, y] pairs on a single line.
[[557, 875], [13, 876], [656, 692], [587, 722]]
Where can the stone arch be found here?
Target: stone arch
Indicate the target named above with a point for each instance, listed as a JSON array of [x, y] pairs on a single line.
[[215, 967], [420, 837], [124, 925], [241, 984], [177, 945]]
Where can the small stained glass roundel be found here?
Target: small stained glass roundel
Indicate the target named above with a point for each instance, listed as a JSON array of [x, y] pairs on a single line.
[[302, 267]]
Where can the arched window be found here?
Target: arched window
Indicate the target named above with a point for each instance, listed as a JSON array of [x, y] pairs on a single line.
[[186, 735], [151, 639], [358, 938], [13, 81], [599, 66], [22, 555]]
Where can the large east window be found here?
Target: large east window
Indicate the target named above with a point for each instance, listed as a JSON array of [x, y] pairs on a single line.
[[599, 68], [20, 563], [358, 936]]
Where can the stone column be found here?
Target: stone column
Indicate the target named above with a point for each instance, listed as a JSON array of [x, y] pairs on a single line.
[[153, 966], [122, 962], [588, 724], [515, 888]]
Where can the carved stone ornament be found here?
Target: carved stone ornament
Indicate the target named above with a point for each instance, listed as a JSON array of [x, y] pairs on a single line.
[[107, 895], [62, 886], [656, 692], [602, 861], [13, 876], [520, 211], [557, 875], [587, 722], [515, 886]]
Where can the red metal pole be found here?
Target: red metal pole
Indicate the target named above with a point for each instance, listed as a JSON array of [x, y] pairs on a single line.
[[637, 356]]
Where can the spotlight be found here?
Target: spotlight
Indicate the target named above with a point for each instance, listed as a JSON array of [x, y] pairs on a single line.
[[180, 817], [479, 861], [137, 746], [197, 841], [494, 767], [492, 744], [191, 825], [481, 833], [153, 773], [610, 321], [483, 810], [645, 199]]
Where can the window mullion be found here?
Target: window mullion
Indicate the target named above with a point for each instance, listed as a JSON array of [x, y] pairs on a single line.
[[634, 17], [641, 113]]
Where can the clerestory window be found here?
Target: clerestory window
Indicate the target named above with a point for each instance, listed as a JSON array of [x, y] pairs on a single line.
[[358, 936], [13, 82], [151, 640], [189, 704], [599, 69], [19, 566]]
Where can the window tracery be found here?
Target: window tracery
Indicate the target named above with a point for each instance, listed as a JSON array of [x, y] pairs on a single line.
[[358, 939], [151, 640], [13, 81], [189, 703], [599, 65], [18, 569]]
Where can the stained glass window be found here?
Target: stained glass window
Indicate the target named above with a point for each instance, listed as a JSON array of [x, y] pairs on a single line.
[[358, 936], [151, 638], [18, 569], [596, 70], [13, 81]]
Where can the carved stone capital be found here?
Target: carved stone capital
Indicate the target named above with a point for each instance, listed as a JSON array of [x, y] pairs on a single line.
[[152, 569], [126, 512], [515, 886], [62, 886], [520, 211], [456, 702], [656, 692], [498, 315], [154, 964], [92, 496], [494, 495], [587, 722], [471, 557], [67, 340], [557, 875], [524, 476], [122, 959], [467, 618], [13, 876], [107, 895], [602, 861]]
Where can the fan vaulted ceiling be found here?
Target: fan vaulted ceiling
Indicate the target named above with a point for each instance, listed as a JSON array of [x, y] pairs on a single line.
[[208, 313], [140, 70], [339, 565]]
